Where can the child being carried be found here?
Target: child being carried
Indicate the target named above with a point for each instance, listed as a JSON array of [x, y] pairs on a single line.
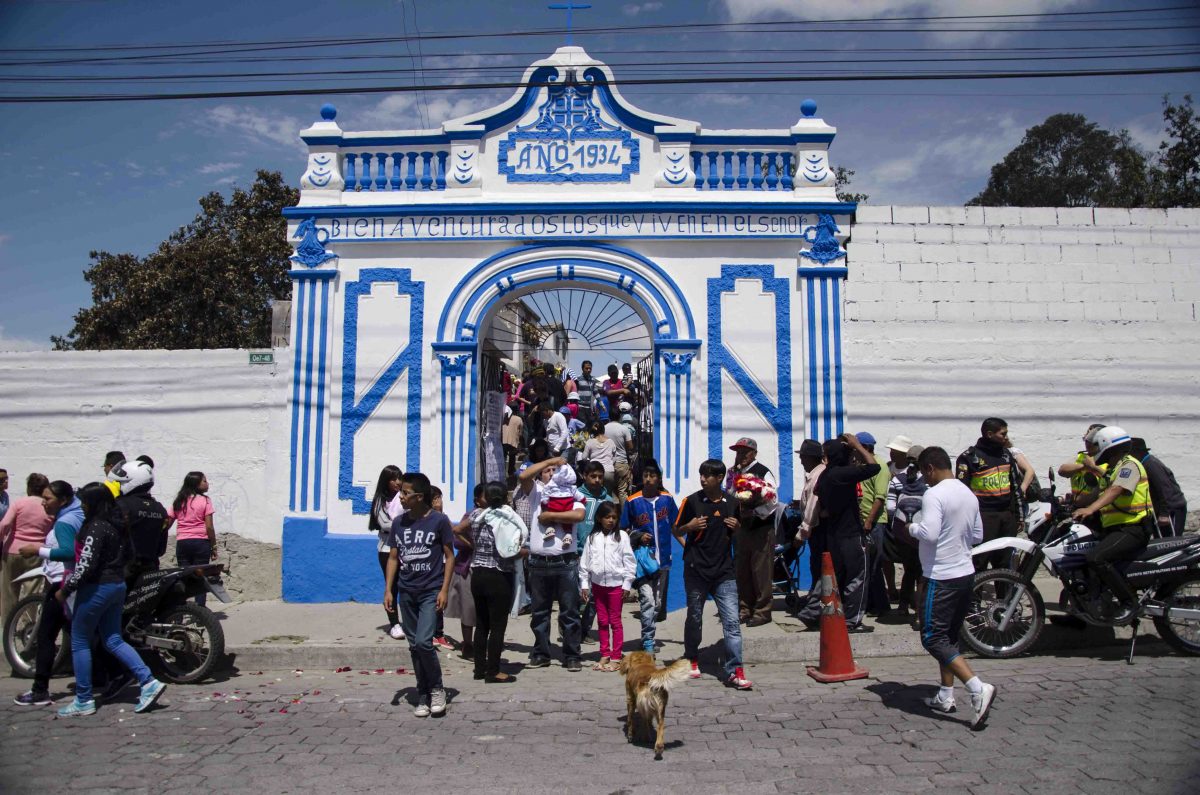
[[558, 496]]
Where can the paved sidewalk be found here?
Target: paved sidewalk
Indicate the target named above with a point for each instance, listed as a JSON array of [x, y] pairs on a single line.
[[280, 635], [1067, 723]]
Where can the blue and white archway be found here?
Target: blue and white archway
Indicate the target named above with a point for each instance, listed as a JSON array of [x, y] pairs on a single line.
[[613, 270]]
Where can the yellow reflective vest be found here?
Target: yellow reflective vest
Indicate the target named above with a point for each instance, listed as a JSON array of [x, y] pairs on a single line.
[[1083, 481], [1129, 508]]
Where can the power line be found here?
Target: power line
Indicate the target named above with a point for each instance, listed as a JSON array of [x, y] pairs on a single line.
[[700, 80], [1043, 16], [331, 73]]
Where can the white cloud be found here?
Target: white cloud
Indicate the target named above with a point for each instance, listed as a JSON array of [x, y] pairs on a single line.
[[819, 10], [8, 343], [226, 180], [952, 163], [633, 9], [399, 111], [260, 127], [217, 168]]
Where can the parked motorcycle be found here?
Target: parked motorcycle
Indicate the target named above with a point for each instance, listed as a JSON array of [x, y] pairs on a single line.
[[1007, 611], [180, 639]]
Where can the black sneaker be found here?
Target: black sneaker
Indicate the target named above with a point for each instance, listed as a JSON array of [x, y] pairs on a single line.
[[574, 666], [34, 699], [114, 687], [538, 662]]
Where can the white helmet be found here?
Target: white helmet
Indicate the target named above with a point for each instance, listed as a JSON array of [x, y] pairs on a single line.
[[1108, 437], [132, 475]]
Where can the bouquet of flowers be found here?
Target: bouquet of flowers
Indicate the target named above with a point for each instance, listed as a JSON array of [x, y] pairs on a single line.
[[754, 491]]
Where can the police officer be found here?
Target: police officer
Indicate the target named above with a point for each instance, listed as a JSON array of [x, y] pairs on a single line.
[[988, 469], [1084, 472], [1126, 515], [145, 517]]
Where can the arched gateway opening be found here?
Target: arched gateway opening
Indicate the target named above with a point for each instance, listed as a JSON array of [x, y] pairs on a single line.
[[641, 304]]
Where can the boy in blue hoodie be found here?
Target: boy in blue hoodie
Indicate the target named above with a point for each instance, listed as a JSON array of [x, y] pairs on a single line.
[[58, 551], [652, 512]]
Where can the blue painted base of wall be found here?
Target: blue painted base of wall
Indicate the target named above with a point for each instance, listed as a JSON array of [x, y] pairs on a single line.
[[319, 566], [322, 567]]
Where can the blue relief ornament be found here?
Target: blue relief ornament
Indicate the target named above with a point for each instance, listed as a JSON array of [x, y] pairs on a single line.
[[311, 251], [454, 365], [678, 363], [569, 141], [823, 237]]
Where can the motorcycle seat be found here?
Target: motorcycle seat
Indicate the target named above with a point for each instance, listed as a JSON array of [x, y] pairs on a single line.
[[1161, 546]]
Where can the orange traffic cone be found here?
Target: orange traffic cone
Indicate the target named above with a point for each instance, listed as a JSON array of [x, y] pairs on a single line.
[[837, 661]]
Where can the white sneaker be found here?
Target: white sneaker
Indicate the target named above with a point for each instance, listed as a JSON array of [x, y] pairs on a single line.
[[937, 705], [437, 702], [981, 702], [568, 540], [421, 710], [397, 632], [694, 671], [548, 533]]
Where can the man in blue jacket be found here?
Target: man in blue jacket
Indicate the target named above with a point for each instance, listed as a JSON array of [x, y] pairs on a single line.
[[653, 511]]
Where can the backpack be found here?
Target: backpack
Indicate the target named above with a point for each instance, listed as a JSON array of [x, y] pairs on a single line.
[[508, 530]]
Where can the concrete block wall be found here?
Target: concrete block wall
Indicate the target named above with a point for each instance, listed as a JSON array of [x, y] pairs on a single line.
[[1051, 318], [211, 411]]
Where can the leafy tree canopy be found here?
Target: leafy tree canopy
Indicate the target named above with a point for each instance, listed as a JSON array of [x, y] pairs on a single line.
[[842, 177], [209, 285], [1068, 161]]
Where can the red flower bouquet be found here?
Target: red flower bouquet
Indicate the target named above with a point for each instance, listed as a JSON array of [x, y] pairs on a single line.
[[754, 491]]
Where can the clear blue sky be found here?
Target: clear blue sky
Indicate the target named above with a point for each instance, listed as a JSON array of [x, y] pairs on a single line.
[[121, 176]]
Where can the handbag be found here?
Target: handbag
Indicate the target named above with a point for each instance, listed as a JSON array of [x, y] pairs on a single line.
[[647, 564]]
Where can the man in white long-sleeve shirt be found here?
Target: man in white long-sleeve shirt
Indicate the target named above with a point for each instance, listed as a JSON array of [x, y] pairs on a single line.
[[949, 525]]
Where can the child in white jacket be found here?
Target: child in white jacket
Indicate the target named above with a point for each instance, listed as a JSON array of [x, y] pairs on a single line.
[[607, 566]]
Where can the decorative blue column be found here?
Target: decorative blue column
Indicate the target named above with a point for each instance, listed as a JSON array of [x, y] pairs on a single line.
[[673, 408], [458, 414], [310, 388], [823, 309]]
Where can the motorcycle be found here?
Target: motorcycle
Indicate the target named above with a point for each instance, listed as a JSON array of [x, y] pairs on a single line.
[[181, 640], [1007, 612]]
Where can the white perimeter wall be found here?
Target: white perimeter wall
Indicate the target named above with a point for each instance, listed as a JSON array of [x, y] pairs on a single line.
[[60, 412], [1049, 318]]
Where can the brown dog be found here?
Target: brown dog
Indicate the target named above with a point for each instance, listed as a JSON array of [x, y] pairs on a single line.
[[646, 692]]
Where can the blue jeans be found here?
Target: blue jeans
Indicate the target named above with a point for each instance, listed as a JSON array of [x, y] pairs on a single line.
[[418, 616], [724, 593], [648, 607], [552, 578], [98, 610]]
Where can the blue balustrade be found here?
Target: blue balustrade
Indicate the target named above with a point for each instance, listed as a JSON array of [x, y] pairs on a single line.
[[743, 170], [396, 171]]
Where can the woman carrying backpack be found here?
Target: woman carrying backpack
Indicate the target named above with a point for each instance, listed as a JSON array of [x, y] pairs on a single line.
[[497, 536], [98, 583]]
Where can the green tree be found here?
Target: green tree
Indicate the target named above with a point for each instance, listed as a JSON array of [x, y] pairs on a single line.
[[841, 185], [1175, 177], [1068, 161], [209, 285]]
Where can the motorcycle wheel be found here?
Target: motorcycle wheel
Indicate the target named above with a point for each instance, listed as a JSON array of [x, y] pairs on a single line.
[[989, 600], [1181, 634], [204, 641], [20, 638]]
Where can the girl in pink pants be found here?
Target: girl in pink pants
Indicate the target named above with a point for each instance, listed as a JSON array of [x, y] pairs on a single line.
[[607, 566]]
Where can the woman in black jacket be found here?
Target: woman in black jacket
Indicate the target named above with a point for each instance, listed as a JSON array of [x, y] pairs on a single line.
[[98, 586]]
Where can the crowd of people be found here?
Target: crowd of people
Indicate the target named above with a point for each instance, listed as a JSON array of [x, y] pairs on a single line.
[[92, 543], [564, 536]]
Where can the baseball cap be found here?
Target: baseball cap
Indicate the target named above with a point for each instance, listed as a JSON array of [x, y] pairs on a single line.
[[864, 438], [915, 451], [745, 441], [572, 396], [811, 448], [901, 444], [622, 406]]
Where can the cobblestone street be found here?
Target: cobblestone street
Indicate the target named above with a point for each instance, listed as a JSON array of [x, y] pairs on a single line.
[[1085, 723]]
